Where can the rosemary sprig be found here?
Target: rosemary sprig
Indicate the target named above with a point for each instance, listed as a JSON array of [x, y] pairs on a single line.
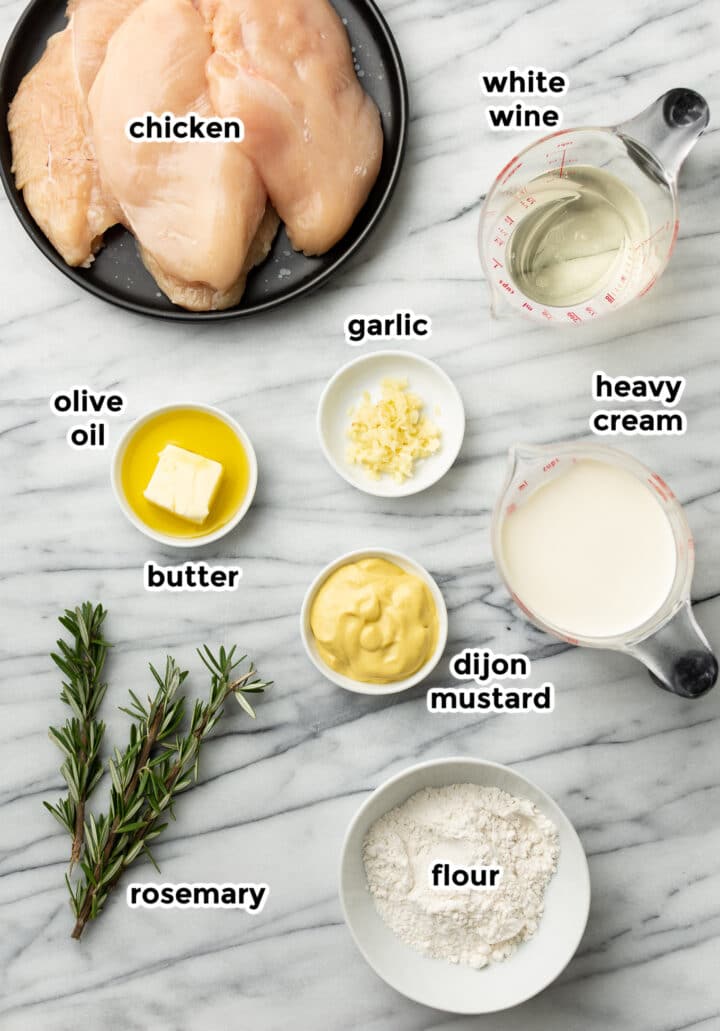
[[153, 723], [149, 775], [81, 736]]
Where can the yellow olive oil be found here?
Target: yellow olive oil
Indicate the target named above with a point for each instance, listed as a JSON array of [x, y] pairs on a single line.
[[203, 433]]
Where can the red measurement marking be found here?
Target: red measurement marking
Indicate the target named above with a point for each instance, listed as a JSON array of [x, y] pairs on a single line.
[[562, 163], [551, 465], [546, 314], [573, 316], [506, 286], [554, 135], [497, 264], [523, 608], [649, 286], [523, 485], [510, 509], [510, 173], [661, 487], [609, 298], [658, 232], [527, 306], [591, 312], [674, 239], [507, 168], [509, 220]]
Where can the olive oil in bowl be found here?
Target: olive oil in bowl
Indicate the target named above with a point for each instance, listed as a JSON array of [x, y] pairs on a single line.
[[200, 430]]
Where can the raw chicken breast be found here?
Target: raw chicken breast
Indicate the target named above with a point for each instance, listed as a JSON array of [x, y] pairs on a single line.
[[93, 23], [195, 208], [53, 156], [199, 297], [285, 67]]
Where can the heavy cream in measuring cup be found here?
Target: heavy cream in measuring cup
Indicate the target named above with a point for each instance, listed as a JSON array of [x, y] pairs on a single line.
[[591, 552]]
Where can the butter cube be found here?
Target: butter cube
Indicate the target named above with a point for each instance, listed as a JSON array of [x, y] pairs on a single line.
[[184, 483]]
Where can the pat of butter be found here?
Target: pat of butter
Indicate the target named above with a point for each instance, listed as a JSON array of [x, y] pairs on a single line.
[[184, 483]]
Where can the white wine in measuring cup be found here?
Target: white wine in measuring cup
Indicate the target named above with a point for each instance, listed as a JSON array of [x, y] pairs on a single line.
[[596, 550], [585, 220], [583, 233]]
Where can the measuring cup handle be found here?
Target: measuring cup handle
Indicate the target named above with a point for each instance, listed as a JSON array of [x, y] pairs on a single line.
[[678, 656], [684, 107], [669, 128]]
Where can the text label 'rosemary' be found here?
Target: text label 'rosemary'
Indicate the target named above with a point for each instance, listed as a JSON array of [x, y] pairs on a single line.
[[250, 897]]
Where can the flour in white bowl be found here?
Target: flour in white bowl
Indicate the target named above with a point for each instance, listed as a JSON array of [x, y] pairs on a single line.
[[464, 825]]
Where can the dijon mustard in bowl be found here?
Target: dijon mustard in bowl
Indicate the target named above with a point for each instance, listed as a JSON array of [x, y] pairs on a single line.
[[374, 622]]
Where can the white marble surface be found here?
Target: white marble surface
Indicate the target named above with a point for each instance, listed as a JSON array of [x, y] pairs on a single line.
[[636, 769]]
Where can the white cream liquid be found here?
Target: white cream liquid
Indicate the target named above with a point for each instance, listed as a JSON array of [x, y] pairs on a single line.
[[591, 552]]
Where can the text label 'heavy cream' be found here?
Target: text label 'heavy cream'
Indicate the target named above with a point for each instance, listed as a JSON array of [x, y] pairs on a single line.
[[645, 422]]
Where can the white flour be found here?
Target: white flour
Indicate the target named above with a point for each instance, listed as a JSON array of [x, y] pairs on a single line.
[[464, 825]]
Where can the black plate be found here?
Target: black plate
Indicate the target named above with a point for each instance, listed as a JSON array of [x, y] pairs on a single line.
[[119, 276]]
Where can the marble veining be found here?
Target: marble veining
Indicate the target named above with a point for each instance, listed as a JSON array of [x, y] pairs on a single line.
[[637, 770]]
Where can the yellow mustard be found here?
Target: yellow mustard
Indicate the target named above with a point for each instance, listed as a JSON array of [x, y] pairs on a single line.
[[374, 622]]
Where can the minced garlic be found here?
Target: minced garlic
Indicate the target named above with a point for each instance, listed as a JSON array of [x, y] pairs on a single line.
[[388, 436]]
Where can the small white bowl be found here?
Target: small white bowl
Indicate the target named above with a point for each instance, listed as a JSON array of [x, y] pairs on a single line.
[[446, 986], [410, 566], [162, 538], [443, 405]]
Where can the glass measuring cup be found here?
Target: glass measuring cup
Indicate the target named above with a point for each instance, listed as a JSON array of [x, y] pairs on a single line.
[[623, 179], [670, 643]]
